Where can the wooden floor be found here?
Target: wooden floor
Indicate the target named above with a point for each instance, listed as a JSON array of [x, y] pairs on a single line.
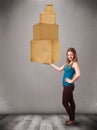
[[47, 122]]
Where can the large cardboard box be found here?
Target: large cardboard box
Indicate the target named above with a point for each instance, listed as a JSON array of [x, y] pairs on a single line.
[[55, 51], [43, 31], [45, 51]]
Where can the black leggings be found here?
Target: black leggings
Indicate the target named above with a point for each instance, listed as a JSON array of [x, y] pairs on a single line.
[[68, 101]]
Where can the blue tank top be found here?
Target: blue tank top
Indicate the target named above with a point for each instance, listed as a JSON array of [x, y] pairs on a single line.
[[69, 72]]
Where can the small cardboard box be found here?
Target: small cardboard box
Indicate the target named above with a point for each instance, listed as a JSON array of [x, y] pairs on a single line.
[[48, 18], [49, 8]]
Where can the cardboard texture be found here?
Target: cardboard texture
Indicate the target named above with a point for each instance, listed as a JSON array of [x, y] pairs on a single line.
[[45, 46], [49, 8], [45, 51], [48, 16], [43, 31]]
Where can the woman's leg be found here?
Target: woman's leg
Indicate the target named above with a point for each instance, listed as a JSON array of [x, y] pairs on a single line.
[[73, 106], [67, 101]]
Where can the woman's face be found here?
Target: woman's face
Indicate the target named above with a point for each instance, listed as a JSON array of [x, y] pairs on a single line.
[[70, 55]]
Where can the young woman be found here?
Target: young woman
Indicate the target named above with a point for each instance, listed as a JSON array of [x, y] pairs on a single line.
[[71, 74]]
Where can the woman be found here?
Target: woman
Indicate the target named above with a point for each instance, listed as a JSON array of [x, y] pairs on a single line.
[[71, 74]]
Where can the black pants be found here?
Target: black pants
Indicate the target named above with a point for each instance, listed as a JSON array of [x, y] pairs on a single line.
[[68, 101]]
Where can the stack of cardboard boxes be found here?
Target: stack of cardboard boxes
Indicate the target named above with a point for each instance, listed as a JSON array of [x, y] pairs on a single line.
[[45, 46]]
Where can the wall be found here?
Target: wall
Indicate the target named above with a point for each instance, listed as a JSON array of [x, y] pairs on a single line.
[[27, 87]]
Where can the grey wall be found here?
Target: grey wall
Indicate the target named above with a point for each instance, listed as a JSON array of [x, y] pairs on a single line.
[[34, 87]]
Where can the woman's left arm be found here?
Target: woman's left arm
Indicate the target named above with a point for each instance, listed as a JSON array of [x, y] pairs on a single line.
[[77, 73]]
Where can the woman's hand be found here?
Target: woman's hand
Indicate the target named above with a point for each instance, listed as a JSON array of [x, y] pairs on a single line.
[[57, 67], [51, 64], [68, 80]]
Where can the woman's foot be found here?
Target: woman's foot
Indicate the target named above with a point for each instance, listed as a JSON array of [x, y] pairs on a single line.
[[69, 122]]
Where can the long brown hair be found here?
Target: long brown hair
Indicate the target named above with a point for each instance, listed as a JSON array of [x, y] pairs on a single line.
[[74, 52]]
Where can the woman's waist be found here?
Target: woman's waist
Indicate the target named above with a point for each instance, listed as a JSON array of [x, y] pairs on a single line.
[[70, 76], [67, 84]]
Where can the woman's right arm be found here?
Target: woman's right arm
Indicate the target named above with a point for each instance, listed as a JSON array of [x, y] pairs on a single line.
[[58, 68]]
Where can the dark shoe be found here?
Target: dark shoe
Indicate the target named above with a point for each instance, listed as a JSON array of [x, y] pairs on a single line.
[[69, 123]]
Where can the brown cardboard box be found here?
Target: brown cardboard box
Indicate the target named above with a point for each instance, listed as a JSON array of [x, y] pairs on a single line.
[[45, 51], [43, 31], [55, 51], [45, 46], [48, 18], [49, 8]]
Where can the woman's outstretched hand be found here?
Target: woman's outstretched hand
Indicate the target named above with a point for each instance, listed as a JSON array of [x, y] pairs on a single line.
[[51, 64]]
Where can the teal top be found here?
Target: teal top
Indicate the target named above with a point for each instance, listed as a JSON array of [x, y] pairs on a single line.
[[69, 72]]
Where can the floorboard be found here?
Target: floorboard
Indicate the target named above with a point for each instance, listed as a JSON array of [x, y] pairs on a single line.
[[47, 122]]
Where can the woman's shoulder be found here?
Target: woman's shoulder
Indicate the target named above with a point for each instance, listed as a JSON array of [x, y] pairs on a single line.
[[75, 63]]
